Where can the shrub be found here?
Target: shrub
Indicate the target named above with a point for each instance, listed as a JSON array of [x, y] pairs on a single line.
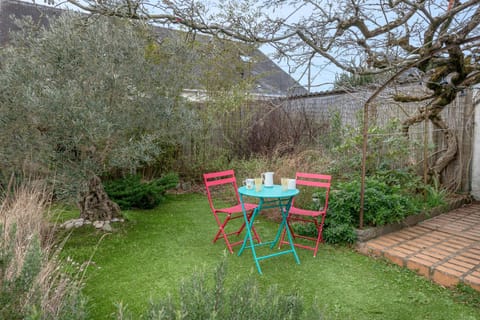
[[201, 299], [132, 192], [383, 203], [338, 229], [31, 283], [390, 196]]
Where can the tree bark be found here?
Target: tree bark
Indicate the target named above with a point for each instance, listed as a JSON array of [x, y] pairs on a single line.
[[433, 114], [95, 204]]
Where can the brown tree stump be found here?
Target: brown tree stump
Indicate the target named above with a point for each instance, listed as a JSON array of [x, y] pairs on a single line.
[[95, 204]]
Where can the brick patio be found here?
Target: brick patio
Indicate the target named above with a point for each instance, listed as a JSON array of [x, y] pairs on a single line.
[[445, 249]]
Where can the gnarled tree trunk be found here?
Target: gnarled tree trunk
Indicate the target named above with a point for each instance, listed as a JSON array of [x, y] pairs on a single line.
[[95, 204], [432, 113]]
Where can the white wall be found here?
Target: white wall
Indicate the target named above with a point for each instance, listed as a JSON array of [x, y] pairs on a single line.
[[476, 146]]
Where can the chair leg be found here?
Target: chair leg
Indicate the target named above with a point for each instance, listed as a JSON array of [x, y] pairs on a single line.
[[254, 231], [317, 240], [222, 233], [292, 233], [319, 227]]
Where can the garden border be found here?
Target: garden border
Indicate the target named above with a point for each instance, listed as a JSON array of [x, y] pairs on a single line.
[[369, 233]]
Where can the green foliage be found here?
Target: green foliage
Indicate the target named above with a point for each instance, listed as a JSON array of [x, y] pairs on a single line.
[[350, 81], [467, 295], [383, 203], [133, 192], [201, 299], [390, 196], [168, 253], [433, 195], [387, 150], [339, 233], [32, 285], [89, 96], [20, 292], [338, 229]]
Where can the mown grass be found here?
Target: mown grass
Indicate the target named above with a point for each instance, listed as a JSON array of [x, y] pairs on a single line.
[[148, 257]]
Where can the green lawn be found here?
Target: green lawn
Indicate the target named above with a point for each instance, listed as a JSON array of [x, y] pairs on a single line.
[[148, 256]]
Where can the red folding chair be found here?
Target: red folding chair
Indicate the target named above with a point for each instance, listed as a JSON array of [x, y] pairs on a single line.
[[225, 181], [319, 183]]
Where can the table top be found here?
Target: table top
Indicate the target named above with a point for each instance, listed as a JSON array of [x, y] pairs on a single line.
[[268, 192]]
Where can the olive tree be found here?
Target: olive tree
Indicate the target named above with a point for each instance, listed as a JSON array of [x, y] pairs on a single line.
[[89, 96], [438, 40]]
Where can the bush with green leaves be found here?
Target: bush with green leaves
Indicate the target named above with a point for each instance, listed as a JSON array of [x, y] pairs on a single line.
[[203, 298], [85, 96], [338, 228], [390, 196], [383, 203], [132, 192]]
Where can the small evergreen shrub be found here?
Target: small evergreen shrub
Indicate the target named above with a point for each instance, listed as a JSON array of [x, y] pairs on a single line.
[[201, 298], [131, 192]]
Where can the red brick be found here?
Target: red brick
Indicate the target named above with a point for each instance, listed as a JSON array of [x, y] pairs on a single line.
[[448, 270], [470, 255], [425, 257], [405, 249], [434, 254], [473, 282], [468, 260], [475, 251], [369, 250], [445, 248], [453, 245], [395, 257], [376, 245], [462, 263], [455, 267], [384, 242], [419, 266], [445, 279], [475, 273]]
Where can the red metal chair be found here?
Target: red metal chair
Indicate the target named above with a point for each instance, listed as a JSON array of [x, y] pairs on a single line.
[[319, 183], [227, 182]]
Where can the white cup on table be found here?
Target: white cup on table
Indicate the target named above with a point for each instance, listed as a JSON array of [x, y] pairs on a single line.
[[249, 183], [291, 184]]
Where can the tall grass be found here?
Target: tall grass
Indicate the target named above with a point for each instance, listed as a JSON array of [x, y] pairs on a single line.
[[32, 282]]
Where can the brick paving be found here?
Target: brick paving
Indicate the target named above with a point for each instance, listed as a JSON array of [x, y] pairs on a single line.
[[444, 249]]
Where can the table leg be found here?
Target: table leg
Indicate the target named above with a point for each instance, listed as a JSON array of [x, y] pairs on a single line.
[[284, 209], [248, 236]]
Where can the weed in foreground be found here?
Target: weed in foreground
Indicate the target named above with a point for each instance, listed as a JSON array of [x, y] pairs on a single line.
[[32, 285]]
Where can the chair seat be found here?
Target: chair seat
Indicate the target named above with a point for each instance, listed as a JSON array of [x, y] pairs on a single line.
[[303, 212], [237, 208], [317, 217]]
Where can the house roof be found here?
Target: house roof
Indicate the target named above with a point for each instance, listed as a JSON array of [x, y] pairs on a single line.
[[270, 79]]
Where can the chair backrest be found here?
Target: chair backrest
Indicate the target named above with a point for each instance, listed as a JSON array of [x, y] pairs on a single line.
[[213, 179], [315, 180]]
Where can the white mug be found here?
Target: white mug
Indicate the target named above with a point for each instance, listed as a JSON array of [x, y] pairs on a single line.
[[249, 183], [291, 184], [268, 179]]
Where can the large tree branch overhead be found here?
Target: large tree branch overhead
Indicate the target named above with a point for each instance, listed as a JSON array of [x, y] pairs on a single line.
[[437, 39]]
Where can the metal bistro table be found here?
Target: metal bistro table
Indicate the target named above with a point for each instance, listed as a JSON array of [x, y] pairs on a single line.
[[269, 197]]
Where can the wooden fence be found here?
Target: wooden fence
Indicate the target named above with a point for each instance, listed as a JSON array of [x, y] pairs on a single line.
[[427, 142]]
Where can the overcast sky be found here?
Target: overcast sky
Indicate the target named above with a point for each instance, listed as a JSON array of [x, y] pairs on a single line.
[[322, 76]]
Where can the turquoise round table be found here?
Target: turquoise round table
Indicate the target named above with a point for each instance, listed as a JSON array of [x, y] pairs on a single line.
[[269, 197]]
